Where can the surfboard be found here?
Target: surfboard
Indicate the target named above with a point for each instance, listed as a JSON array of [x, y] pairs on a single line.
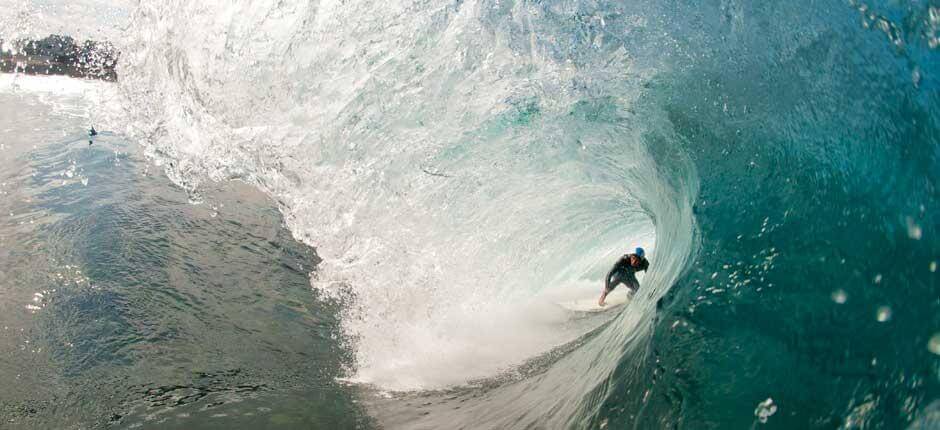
[[614, 301]]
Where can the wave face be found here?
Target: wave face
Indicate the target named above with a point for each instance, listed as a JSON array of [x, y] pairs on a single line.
[[459, 166]]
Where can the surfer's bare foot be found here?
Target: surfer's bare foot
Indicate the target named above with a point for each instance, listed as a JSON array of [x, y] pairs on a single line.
[[601, 303]]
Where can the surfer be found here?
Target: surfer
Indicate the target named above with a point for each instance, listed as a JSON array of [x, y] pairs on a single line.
[[624, 272]]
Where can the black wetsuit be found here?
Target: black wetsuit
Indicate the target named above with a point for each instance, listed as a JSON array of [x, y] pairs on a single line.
[[624, 273]]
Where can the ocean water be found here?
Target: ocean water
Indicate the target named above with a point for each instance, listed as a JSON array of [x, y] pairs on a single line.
[[356, 215], [124, 305]]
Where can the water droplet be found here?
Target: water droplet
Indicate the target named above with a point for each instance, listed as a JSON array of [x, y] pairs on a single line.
[[765, 409], [839, 296], [913, 230], [884, 313], [933, 345]]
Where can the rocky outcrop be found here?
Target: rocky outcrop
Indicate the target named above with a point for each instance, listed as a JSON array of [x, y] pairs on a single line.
[[59, 55]]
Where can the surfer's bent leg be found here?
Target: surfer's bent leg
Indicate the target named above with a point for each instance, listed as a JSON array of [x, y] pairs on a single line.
[[612, 281], [632, 284], [617, 279]]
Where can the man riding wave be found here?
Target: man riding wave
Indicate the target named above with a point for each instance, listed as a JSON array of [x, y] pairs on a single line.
[[624, 272]]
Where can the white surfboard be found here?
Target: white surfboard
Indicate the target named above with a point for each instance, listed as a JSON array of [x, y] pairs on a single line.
[[614, 300]]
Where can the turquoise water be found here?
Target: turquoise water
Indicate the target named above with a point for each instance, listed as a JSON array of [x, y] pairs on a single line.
[[459, 168], [816, 279]]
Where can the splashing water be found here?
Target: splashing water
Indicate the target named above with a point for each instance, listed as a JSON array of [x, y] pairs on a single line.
[[461, 166], [451, 172]]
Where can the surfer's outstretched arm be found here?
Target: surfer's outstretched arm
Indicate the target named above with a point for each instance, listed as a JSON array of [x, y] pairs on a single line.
[[607, 287]]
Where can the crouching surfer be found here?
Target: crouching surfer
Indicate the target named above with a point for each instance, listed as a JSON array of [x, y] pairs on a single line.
[[624, 272]]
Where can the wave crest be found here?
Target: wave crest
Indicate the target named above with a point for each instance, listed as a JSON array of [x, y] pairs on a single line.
[[457, 167]]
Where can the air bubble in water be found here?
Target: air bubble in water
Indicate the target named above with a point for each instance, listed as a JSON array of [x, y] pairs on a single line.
[[913, 229], [765, 409], [839, 296], [884, 313], [933, 345]]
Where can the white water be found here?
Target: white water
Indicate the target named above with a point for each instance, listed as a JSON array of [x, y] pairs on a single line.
[[102, 20], [459, 167], [428, 152], [74, 97]]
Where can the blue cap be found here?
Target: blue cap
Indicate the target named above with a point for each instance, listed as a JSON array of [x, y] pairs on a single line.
[[640, 252]]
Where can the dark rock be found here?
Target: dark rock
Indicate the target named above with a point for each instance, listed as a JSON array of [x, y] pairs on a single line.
[[60, 55]]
